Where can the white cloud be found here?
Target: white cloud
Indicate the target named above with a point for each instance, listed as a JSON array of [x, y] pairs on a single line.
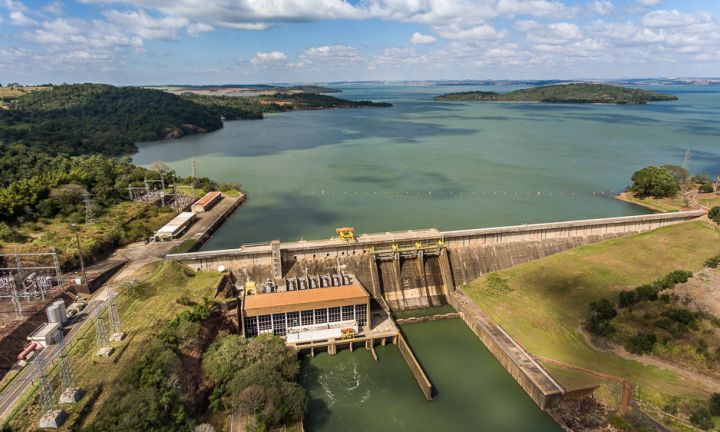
[[672, 18], [195, 29], [53, 8], [539, 8], [13, 5], [19, 18], [268, 57], [146, 26], [648, 2], [551, 34], [602, 7], [328, 51], [478, 32], [419, 38]]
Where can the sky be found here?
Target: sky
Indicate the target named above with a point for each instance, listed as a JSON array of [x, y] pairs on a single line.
[[144, 42]]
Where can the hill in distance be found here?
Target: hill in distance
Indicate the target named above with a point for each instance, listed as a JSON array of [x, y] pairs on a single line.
[[579, 93]]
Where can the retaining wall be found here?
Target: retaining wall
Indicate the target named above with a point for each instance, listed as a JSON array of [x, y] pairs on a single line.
[[531, 376], [415, 367]]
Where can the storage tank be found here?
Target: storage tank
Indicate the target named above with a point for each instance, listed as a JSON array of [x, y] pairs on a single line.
[[60, 303], [53, 314]]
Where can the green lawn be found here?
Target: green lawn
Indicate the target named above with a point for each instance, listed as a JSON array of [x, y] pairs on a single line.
[[548, 299], [143, 313]]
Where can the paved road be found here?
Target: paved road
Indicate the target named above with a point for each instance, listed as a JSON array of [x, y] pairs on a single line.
[[24, 379]]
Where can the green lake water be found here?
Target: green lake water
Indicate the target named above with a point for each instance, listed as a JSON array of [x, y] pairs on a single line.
[[428, 164], [424, 164], [350, 392]]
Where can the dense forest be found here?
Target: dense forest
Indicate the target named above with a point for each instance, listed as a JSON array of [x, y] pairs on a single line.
[[307, 101], [564, 93], [55, 135], [253, 107], [98, 119]]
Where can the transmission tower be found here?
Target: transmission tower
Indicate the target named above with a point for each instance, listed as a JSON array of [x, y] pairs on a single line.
[[89, 213], [101, 337], [44, 387], [686, 160], [67, 376], [114, 315], [194, 175]]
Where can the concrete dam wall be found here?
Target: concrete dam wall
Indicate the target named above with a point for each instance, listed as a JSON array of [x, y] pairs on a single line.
[[414, 269]]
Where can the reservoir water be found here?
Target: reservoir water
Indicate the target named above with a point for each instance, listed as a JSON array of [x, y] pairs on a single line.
[[424, 164], [427, 164], [350, 392]]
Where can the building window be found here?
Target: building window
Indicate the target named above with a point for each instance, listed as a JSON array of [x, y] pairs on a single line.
[[279, 324], [334, 314], [348, 312], [250, 326], [321, 316], [361, 314], [264, 323], [293, 319], [307, 317]]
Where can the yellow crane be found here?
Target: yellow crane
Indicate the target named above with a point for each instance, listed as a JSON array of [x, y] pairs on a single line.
[[346, 233]]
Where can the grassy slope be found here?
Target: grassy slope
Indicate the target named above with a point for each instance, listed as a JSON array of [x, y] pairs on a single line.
[[662, 205], [549, 298], [141, 318]]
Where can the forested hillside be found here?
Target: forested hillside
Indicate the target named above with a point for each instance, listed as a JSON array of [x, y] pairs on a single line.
[[564, 93]]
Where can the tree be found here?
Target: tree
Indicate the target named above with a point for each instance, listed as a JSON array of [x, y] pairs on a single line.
[[601, 312], [655, 182], [258, 375], [680, 174], [641, 343], [714, 214]]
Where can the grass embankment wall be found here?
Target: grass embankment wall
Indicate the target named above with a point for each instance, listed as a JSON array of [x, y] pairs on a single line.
[[543, 303]]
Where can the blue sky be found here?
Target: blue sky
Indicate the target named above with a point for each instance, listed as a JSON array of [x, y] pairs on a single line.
[[255, 41]]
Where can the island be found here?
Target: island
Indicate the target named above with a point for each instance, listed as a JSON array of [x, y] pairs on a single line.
[[576, 93], [243, 89]]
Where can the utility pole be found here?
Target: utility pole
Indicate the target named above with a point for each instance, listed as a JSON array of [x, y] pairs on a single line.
[[75, 229]]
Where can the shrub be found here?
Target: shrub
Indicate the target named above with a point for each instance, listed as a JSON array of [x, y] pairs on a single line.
[[714, 404], [714, 214], [706, 188], [713, 262], [11, 234], [676, 277], [601, 312], [701, 418], [647, 292], [641, 343], [627, 298]]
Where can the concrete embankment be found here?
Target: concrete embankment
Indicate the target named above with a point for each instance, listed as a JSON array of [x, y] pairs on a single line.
[[531, 376], [415, 368], [207, 230]]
